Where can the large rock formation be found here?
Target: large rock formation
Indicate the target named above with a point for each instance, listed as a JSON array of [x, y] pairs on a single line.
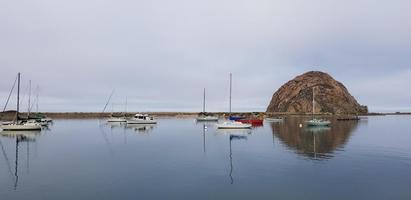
[[331, 96]]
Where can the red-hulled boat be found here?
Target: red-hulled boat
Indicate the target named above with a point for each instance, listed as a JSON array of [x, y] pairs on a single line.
[[253, 122]]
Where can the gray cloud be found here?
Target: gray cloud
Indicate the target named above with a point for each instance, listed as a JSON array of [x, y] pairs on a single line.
[[160, 54]]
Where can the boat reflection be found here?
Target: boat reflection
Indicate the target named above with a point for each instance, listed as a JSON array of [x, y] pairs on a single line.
[[116, 125], [19, 136], [234, 132], [314, 142], [141, 128], [233, 135]]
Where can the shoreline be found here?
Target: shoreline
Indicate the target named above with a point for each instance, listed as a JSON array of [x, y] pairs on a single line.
[[87, 115]]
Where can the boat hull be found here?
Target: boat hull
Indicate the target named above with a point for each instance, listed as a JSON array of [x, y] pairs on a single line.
[[233, 125], [253, 122], [141, 122], [236, 118], [205, 119], [116, 120], [14, 127], [318, 123]]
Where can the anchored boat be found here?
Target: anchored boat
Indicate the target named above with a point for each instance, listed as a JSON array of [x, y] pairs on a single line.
[[317, 122], [203, 116], [19, 125], [232, 124], [142, 119]]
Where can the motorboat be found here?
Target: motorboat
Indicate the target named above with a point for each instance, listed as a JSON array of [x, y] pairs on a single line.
[[233, 125], [141, 119]]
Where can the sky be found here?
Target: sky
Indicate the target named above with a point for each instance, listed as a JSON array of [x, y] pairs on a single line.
[[160, 54]]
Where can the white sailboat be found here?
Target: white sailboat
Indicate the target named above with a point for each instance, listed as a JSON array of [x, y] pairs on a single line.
[[314, 121], [232, 124], [203, 116], [18, 125], [118, 119]]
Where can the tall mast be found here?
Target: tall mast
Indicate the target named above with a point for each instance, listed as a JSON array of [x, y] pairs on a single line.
[[231, 77], [313, 101], [37, 99], [204, 101], [28, 108], [18, 96], [125, 107]]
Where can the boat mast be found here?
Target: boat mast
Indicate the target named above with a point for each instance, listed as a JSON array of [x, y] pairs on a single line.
[[313, 101], [28, 108], [125, 108], [37, 99], [18, 96], [204, 101], [231, 77]]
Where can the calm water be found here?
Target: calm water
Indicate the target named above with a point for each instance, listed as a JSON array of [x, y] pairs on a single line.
[[179, 159]]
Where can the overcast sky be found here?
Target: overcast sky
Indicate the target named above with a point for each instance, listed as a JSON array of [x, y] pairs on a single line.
[[160, 54]]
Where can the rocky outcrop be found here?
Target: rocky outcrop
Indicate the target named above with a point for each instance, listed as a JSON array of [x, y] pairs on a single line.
[[331, 96]]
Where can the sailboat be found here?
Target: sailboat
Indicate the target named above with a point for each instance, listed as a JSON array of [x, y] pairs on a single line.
[[203, 116], [232, 124], [18, 125], [118, 119], [314, 121]]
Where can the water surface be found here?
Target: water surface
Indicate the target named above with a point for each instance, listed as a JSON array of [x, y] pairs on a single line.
[[182, 159]]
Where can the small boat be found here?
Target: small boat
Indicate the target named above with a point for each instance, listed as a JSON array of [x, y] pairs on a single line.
[[235, 118], [253, 122], [203, 116], [18, 125], [117, 119], [142, 119], [271, 119], [206, 118], [48, 120], [233, 125], [41, 123], [317, 122], [28, 126]]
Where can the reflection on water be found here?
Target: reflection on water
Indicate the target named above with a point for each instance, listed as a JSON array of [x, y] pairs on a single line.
[[233, 135], [19, 136], [141, 128], [179, 159], [313, 142]]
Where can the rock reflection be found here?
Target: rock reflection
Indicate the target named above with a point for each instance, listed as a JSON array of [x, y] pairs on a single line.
[[313, 142]]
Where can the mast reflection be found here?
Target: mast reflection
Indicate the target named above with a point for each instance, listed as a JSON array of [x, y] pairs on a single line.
[[234, 134], [19, 136]]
